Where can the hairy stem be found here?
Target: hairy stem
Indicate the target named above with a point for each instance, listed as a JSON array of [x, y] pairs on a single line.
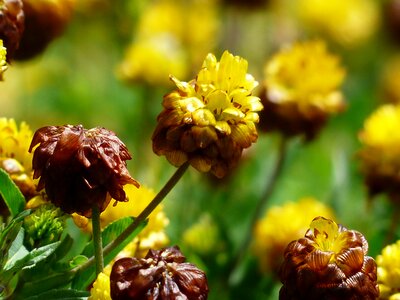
[[97, 240]]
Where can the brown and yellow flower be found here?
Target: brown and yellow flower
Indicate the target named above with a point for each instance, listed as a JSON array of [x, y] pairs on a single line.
[[380, 152], [162, 274], [11, 25], [302, 89], [209, 120], [281, 225], [80, 168], [330, 262], [389, 272]]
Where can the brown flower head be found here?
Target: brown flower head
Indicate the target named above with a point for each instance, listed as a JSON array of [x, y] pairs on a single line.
[[330, 262], [211, 119], [80, 168], [161, 275], [11, 25], [44, 21]]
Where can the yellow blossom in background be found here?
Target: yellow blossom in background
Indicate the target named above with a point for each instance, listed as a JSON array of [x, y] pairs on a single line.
[[347, 22], [380, 152], [211, 119], [281, 225], [389, 272], [203, 236], [153, 236], [302, 88], [101, 287], [3, 63], [171, 37]]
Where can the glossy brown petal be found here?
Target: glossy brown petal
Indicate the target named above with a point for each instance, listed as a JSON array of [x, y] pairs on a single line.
[[80, 168], [161, 275], [11, 25]]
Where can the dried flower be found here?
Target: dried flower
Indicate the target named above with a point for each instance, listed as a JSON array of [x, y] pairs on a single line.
[[270, 243], [80, 167], [330, 262], [211, 119], [101, 288], [389, 272], [380, 154], [161, 275], [359, 19], [44, 21], [301, 89], [153, 236], [11, 25], [3, 62], [392, 18]]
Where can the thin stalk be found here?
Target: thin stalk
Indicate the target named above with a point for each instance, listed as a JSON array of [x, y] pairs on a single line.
[[97, 240], [269, 188], [143, 215], [390, 236]]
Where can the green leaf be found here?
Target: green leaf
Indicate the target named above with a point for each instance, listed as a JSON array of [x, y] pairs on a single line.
[[86, 277], [11, 194], [61, 294]]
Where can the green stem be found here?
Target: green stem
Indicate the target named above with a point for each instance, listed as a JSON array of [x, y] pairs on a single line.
[[261, 205], [97, 240], [142, 216]]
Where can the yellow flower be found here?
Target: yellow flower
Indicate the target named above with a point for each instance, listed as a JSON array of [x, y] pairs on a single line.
[[14, 156], [380, 154], [389, 271], [209, 120], [3, 63], [302, 86], [348, 22], [152, 236], [281, 225], [330, 262], [172, 36], [101, 288], [203, 237]]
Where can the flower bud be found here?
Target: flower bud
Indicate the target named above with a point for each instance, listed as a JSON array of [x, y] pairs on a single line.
[[80, 168], [330, 262], [161, 275]]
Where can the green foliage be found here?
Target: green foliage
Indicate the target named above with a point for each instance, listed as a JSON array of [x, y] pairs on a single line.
[[10, 194]]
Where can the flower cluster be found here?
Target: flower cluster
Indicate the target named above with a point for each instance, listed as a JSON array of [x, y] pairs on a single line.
[[359, 19], [330, 262], [389, 272], [380, 150], [270, 243], [91, 164], [301, 89], [172, 36], [211, 119]]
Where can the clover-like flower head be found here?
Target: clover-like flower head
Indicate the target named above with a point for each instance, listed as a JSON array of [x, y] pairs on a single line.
[[330, 262], [302, 89], [380, 152], [161, 275], [80, 168], [11, 25], [211, 119], [389, 272], [270, 243]]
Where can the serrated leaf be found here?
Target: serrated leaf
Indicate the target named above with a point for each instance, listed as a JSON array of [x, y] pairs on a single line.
[[11, 194], [86, 277], [36, 255]]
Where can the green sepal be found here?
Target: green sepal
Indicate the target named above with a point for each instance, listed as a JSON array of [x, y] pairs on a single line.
[[11, 194]]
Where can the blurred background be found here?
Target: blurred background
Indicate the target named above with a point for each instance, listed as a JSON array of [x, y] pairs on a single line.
[[109, 66]]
